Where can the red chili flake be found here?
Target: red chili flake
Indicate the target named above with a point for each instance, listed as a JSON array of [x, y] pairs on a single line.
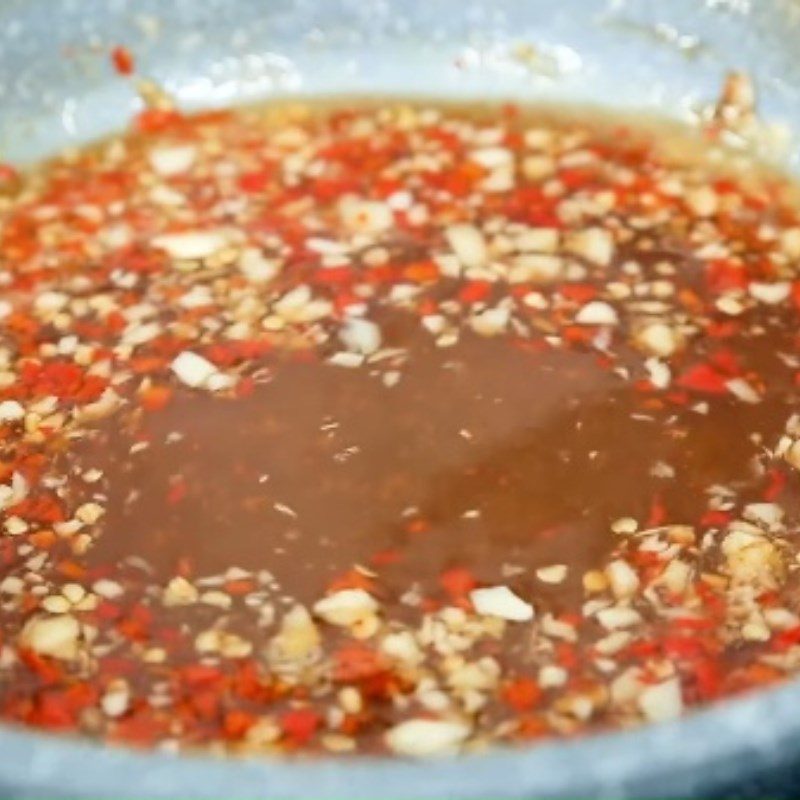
[[418, 525], [344, 299], [111, 667], [327, 190], [248, 683], [355, 662], [725, 360], [332, 276], [240, 587], [245, 387], [178, 489], [235, 724], [20, 324], [530, 728], [7, 173], [528, 204], [578, 292], [785, 639], [759, 202], [678, 647], [351, 724], [459, 181], [46, 508], [64, 379], [691, 301], [200, 675], [566, 655], [115, 322], [157, 120], [642, 650], [723, 275], [458, 581], [578, 334], [136, 625], [31, 465], [136, 258], [707, 674], [427, 306], [446, 138], [703, 378], [522, 694], [383, 274], [72, 570], [107, 611], [142, 365], [122, 60], [380, 687], [155, 398], [300, 724], [574, 179], [384, 558], [229, 353], [430, 605], [753, 676], [43, 539], [712, 602], [384, 187], [256, 181], [140, 728], [574, 619], [51, 710], [421, 272], [679, 398], [725, 186], [714, 518], [47, 670], [723, 330], [776, 483], [769, 599], [474, 292], [204, 703]]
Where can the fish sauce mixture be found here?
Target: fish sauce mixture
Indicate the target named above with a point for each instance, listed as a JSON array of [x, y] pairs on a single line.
[[389, 428]]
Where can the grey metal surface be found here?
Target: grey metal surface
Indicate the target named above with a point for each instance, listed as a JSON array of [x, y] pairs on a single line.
[[56, 88]]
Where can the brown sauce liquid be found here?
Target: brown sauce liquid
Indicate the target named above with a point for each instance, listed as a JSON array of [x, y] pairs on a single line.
[[490, 454]]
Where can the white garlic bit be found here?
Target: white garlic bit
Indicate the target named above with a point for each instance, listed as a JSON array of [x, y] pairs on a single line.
[[500, 601], [427, 737]]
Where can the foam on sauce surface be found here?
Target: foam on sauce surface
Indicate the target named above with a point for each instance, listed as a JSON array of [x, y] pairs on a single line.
[[391, 428]]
